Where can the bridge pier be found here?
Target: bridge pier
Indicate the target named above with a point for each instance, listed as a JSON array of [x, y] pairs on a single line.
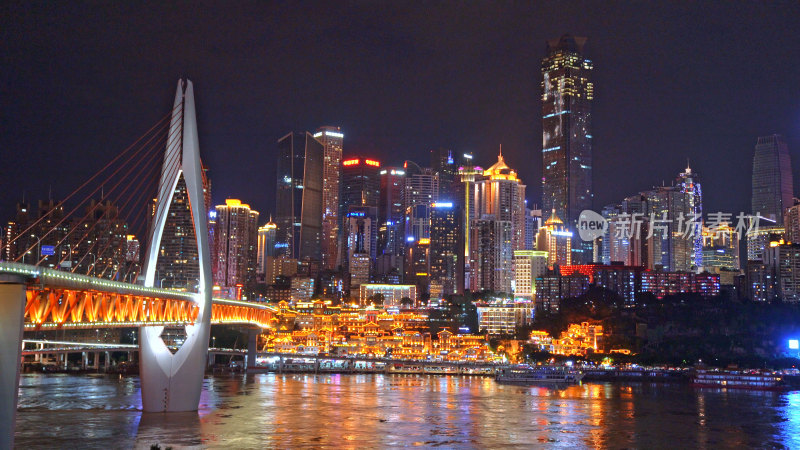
[[252, 344], [12, 308]]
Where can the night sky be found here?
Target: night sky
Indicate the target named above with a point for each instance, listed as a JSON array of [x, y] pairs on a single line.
[[700, 80]]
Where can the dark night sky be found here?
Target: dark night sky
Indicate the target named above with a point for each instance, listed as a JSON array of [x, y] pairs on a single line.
[[699, 80]]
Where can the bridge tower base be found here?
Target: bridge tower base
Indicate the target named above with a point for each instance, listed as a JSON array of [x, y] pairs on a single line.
[[12, 309], [174, 382]]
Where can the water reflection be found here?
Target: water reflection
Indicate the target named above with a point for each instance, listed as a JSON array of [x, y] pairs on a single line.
[[296, 410]]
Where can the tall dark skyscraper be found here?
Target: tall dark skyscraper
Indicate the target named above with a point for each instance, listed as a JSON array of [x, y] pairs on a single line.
[[567, 93], [772, 178], [299, 197]]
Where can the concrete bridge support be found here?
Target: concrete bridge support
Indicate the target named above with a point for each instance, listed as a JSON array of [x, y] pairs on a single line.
[[252, 349], [12, 309], [173, 382]]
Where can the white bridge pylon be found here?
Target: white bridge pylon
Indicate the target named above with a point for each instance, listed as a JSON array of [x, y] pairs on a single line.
[[173, 382]]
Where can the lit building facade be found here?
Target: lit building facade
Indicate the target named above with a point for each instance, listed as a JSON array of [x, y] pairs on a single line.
[[758, 239], [392, 293], [332, 140], [503, 319], [721, 248], [266, 248], [772, 178], [299, 196], [360, 245], [421, 190], [360, 192], [784, 261], [446, 254], [676, 215], [791, 222], [236, 232], [555, 239], [567, 94], [391, 222], [528, 265]]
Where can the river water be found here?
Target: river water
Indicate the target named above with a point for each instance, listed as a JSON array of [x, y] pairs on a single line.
[[268, 410]]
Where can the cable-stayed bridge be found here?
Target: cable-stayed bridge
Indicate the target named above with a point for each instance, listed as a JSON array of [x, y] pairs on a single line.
[[74, 266]]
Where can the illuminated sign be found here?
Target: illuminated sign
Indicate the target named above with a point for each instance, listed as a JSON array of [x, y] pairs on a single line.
[[410, 239], [334, 134], [562, 233], [355, 214], [316, 135], [48, 250], [398, 172], [467, 155], [350, 162], [372, 162], [794, 344], [424, 241], [442, 205]]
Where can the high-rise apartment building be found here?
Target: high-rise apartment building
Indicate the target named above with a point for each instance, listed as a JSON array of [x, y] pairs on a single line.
[[791, 221], [567, 93], [533, 221], [332, 140], [772, 178], [237, 244], [299, 197], [675, 212], [422, 189], [498, 209], [468, 174], [528, 265]]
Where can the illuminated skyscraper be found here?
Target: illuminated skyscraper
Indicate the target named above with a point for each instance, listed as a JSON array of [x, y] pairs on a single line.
[[236, 236], [422, 189], [499, 215], [772, 178], [360, 193], [446, 254], [177, 265], [555, 239], [332, 139], [567, 93], [299, 197], [266, 248], [676, 219], [391, 222]]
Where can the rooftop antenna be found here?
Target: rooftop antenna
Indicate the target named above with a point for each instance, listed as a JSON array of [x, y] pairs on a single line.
[[501, 151]]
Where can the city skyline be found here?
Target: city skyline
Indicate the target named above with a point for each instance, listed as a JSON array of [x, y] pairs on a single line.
[[667, 116]]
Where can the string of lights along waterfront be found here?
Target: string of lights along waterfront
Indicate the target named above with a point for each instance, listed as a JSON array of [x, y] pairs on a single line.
[[341, 228]]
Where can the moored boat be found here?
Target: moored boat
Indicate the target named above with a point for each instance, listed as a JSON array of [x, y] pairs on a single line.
[[539, 375], [739, 380]]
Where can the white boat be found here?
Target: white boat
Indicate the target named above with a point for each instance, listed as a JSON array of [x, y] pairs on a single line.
[[539, 375]]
